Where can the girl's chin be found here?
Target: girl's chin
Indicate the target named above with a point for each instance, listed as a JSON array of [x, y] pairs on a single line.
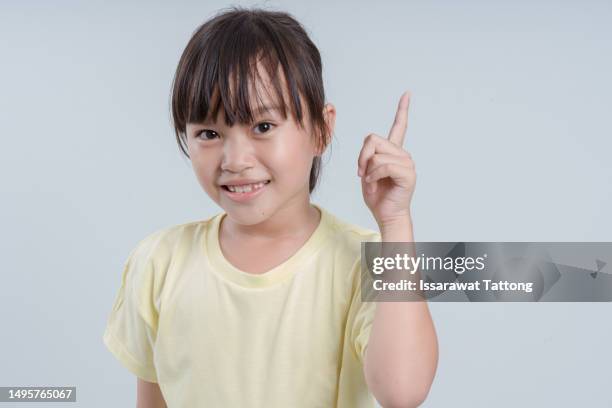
[[246, 216]]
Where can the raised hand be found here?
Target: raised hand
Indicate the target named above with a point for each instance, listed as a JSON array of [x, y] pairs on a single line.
[[387, 172]]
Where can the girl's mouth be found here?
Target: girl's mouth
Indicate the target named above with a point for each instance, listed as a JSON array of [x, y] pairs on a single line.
[[245, 192]]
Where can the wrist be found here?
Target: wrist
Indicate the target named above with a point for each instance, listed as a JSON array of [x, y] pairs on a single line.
[[397, 228], [396, 222]]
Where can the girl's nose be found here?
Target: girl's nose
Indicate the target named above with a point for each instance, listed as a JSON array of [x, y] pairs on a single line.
[[237, 155]]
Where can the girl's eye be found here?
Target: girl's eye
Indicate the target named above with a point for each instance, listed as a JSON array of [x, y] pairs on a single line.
[[264, 126], [206, 134]]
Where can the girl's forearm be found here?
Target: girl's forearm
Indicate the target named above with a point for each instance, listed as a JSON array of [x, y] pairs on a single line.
[[402, 352]]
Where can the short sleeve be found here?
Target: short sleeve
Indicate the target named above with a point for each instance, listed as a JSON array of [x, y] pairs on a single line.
[[360, 316], [131, 329]]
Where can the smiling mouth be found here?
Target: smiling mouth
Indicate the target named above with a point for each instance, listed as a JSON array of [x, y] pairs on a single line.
[[246, 188]]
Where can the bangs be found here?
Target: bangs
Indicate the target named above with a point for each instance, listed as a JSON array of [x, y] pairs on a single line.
[[237, 91]]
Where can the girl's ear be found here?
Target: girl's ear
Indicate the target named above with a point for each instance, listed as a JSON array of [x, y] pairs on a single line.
[[329, 114]]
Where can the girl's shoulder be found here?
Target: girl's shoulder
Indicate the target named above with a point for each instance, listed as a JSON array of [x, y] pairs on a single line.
[[351, 234], [160, 244], [148, 264]]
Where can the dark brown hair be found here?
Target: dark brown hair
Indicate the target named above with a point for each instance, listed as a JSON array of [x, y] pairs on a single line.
[[227, 48]]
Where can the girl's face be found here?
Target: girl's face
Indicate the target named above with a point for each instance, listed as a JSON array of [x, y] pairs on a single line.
[[266, 164]]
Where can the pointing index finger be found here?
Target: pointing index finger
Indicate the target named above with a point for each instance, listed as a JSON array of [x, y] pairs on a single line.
[[398, 130]]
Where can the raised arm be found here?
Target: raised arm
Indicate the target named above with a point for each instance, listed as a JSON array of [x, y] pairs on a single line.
[[402, 353]]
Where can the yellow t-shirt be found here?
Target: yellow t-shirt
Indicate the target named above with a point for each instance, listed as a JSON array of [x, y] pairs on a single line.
[[212, 335]]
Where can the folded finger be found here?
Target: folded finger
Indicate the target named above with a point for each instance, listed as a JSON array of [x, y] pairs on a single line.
[[372, 144]]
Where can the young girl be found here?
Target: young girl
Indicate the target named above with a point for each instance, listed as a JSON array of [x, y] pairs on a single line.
[[260, 306]]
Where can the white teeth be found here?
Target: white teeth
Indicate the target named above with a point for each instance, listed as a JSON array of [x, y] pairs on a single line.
[[246, 188]]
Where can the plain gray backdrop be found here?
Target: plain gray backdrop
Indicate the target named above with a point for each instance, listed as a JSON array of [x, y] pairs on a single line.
[[509, 128]]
